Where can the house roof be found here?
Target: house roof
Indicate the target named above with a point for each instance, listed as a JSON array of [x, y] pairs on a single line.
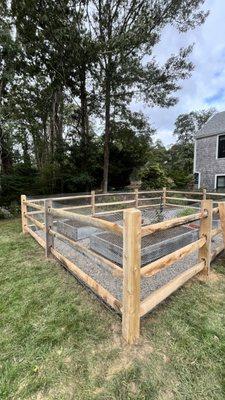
[[214, 126]]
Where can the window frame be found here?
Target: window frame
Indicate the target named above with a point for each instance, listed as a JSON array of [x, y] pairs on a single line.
[[217, 146], [199, 178], [216, 181]]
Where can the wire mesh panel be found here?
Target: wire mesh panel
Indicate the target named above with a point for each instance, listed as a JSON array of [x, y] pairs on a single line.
[[86, 242], [76, 230], [153, 246]]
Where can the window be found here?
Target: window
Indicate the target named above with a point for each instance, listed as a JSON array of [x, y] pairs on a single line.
[[220, 183], [221, 146], [196, 179]]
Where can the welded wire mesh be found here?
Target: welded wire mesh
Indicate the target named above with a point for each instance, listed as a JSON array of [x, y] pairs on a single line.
[[153, 246]]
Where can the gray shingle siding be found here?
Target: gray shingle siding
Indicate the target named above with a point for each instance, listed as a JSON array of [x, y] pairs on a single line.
[[206, 161], [214, 126]]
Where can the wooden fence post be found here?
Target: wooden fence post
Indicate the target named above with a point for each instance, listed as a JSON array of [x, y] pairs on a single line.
[[136, 198], [222, 218], [206, 230], [164, 197], [92, 202], [131, 274], [23, 213], [48, 220], [204, 194]]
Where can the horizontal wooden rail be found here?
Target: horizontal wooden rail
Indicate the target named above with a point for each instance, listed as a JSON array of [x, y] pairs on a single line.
[[169, 259], [162, 293], [150, 191], [75, 207], [117, 271], [114, 203], [85, 196], [90, 282], [40, 225], [114, 194], [181, 192], [216, 194], [98, 214], [148, 198], [216, 231], [35, 236], [35, 212], [183, 199], [87, 220], [161, 226], [33, 205]]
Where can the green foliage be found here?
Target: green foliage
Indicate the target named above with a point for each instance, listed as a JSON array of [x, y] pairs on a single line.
[[69, 72], [186, 211], [153, 176], [187, 125]]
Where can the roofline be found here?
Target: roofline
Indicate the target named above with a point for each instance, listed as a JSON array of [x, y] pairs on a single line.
[[216, 112], [210, 134]]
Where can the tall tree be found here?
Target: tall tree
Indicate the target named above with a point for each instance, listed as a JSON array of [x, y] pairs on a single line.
[[181, 155], [187, 125], [8, 67], [127, 32]]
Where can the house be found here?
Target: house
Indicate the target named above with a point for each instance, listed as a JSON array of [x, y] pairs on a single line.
[[209, 154]]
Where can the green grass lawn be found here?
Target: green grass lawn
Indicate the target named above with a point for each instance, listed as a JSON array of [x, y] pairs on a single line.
[[58, 342]]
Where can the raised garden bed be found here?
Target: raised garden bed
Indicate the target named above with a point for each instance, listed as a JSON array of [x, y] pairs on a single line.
[[154, 246], [75, 230]]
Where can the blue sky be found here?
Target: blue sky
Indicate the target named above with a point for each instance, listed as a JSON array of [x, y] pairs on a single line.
[[206, 87]]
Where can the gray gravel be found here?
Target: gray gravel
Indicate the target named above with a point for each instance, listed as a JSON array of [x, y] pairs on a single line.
[[103, 274]]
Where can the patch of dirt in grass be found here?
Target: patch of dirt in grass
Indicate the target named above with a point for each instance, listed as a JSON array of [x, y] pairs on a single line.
[[167, 395], [214, 276], [128, 355]]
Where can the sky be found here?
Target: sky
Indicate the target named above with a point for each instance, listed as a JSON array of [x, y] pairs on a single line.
[[206, 87]]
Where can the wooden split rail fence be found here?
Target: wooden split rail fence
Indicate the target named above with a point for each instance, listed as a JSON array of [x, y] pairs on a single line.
[[131, 307]]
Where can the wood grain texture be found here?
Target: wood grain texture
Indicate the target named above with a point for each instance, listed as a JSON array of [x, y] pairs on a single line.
[[97, 222], [160, 226], [164, 197], [216, 231], [136, 198], [222, 218], [131, 274], [33, 205], [206, 231], [24, 213], [92, 202], [48, 222], [184, 199]]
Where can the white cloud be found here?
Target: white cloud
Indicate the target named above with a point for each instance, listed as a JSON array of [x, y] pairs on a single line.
[[205, 87]]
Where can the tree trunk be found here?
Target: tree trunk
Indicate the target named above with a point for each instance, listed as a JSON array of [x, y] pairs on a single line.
[[107, 132], [84, 110], [56, 123], [0, 162], [25, 146]]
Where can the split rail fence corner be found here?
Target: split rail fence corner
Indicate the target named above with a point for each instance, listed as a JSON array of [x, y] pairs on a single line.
[[131, 307]]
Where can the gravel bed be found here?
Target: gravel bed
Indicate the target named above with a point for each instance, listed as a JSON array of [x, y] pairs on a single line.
[[103, 274]]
